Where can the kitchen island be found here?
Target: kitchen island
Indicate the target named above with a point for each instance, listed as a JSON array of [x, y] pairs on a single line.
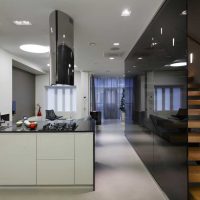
[[48, 157]]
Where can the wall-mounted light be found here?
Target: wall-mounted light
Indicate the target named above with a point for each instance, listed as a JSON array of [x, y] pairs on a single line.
[[173, 42], [191, 58]]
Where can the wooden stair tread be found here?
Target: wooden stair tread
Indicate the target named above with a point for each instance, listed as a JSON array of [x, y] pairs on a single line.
[[193, 85], [193, 93], [194, 137], [194, 153], [195, 193], [193, 102], [193, 123], [193, 111], [194, 174]]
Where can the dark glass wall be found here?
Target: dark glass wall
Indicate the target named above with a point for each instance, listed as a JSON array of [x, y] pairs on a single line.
[[158, 130], [194, 87]]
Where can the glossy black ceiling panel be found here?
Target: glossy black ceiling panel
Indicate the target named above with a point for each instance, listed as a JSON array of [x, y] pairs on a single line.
[[155, 46]]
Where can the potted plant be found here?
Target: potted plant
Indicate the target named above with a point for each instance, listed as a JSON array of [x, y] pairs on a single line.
[[122, 106]]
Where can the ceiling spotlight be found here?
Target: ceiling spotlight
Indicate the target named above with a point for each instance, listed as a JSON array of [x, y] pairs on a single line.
[[64, 36], [178, 64], [34, 48], [126, 12], [75, 66], [51, 30], [161, 31], [111, 58], [184, 12], [140, 58], [22, 23], [134, 66], [48, 65], [92, 44], [116, 44]]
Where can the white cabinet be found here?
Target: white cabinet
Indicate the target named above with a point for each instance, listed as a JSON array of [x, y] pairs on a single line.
[[55, 172], [55, 159], [84, 159], [46, 158], [17, 159], [55, 146]]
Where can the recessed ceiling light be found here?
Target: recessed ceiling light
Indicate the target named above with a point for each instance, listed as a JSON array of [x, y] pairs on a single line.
[[111, 58], [126, 12], [184, 12], [22, 23], [92, 44], [178, 64], [134, 66], [51, 30], [75, 66], [116, 43], [64, 36], [48, 65], [34, 48], [191, 58], [161, 31], [140, 58]]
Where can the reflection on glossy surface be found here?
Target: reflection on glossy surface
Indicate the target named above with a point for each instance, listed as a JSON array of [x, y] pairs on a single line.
[[61, 45], [157, 134]]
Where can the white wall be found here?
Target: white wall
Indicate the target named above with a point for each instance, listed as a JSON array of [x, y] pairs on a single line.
[[5, 83], [85, 98], [6, 62], [81, 81], [40, 82]]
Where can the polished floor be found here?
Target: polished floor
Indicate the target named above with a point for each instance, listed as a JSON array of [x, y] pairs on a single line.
[[120, 174]]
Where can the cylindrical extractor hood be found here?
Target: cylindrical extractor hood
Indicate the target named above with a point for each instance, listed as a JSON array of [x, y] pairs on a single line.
[[61, 48]]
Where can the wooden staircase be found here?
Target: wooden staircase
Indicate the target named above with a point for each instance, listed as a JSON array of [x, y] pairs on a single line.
[[194, 139]]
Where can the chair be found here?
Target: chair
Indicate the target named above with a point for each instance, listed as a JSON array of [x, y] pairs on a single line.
[[50, 115]]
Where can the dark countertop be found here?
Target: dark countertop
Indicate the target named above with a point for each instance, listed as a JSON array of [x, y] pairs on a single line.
[[84, 125]]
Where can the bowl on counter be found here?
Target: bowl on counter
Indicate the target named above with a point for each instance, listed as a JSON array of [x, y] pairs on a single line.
[[19, 123]]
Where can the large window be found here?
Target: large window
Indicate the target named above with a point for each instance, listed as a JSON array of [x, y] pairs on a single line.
[[167, 98], [61, 98]]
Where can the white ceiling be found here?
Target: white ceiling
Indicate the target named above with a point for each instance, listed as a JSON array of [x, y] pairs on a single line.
[[96, 21]]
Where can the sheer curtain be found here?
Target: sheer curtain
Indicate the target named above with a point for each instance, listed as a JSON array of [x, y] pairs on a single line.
[[106, 94]]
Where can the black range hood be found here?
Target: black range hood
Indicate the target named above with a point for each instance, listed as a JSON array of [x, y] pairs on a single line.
[[61, 48]]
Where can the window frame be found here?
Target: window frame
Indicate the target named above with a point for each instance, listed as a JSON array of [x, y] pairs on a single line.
[[73, 108]]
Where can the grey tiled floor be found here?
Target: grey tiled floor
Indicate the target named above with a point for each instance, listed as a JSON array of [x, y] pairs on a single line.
[[120, 174]]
